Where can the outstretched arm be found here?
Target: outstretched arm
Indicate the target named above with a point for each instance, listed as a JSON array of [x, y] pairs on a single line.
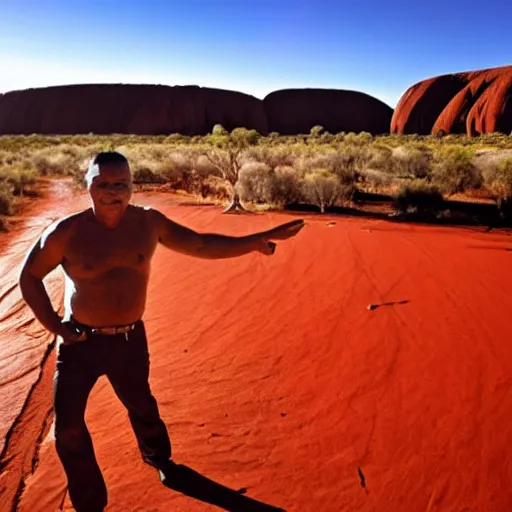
[[216, 246]]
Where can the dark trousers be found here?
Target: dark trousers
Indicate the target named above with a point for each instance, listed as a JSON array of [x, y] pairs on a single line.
[[124, 359]]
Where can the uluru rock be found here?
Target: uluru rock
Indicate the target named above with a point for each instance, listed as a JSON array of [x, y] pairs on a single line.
[[294, 111], [473, 103], [120, 108]]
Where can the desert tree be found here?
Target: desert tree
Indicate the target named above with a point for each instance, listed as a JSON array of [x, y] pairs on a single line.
[[225, 152]]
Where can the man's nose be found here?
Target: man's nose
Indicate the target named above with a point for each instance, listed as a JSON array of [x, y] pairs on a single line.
[[111, 189]]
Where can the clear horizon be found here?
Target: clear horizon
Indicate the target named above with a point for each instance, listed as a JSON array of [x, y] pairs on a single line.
[[376, 49]]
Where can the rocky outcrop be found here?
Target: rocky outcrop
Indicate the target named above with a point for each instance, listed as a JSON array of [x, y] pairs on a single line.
[[473, 103], [292, 111], [189, 110], [137, 109]]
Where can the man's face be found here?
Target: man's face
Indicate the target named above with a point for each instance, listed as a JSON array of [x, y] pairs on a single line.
[[111, 188]]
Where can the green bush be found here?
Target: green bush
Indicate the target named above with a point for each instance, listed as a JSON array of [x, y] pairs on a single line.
[[271, 156], [6, 199], [345, 160], [419, 196], [456, 172], [145, 173], [380, 157], [214, 187], [178, 170], [360, 139], [316, 131], [218, 129], [18, 178], [177, 138], [66, 161], [413, 161], [499, 180], [323, 189], [286, 186], [255, 183]]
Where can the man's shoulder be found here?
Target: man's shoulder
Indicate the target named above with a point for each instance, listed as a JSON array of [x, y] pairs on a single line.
[[146, 211], [65, 224], [58, 232]]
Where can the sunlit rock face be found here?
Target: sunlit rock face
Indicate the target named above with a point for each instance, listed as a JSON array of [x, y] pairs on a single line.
[[471, 103]]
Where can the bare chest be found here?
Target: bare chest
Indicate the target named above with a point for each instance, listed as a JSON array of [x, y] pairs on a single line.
[[95, 251]]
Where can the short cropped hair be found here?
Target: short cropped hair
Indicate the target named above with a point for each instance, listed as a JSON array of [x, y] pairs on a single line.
[[102, 158]]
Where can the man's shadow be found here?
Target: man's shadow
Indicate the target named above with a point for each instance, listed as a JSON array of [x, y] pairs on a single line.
[[191, 483]]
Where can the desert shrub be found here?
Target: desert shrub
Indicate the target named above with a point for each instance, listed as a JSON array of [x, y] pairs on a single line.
[[178, 170], [205, 167], [144, 172], [345, 163], [6, 198], [215, 187], [323, 189], [286, 186], [412, 161], [218, 129], [351, 158], [156, 152], [493, 139], [499, 180], [271, 156], [419, 196], [360, 139], [316, 131], [455, 171], [177, 138], [18, 178], [255, 183], [60, 161], [380, 157], [250, 137], [375, 180], [8, 158]]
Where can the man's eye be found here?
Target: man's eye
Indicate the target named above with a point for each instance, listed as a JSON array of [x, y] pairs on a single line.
[[102, 185], [120, 185]]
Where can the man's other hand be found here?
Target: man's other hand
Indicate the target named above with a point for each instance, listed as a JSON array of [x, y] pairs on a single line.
[[282, 232], [70, 334]]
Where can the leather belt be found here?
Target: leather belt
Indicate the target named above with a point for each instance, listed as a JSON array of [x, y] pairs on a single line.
[[111, 331], [122, 329]]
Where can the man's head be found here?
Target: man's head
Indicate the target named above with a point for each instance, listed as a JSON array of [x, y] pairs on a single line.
[[109, 183]]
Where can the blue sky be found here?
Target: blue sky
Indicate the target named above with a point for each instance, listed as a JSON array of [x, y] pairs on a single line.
[[380, 48]]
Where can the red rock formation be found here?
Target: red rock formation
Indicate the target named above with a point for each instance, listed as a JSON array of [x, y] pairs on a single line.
[[474, 103], [189, 110], [138, 109], [293, 111]]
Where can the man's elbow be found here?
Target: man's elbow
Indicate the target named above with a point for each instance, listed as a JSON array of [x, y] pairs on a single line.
[[26, 281]]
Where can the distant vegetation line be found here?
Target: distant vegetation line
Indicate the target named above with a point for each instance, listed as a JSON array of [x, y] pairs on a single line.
[[319, 168]]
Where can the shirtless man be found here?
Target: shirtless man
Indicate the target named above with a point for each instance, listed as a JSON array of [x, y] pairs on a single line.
[[105, 253]]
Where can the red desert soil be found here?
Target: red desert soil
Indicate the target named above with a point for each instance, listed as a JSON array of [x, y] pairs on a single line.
[[272, 374]]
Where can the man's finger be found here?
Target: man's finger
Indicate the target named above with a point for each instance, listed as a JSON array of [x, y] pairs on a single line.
[[291, 224], [286, 230]]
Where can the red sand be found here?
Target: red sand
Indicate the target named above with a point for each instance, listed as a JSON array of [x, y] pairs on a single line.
[[272, 374]]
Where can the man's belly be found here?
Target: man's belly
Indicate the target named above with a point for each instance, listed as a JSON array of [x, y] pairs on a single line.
[[116, 297]]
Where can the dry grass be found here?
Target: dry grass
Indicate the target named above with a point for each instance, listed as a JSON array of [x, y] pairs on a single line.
[[320, 168]]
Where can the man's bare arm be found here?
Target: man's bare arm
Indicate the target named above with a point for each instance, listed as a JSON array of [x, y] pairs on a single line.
[[216, 246], [46, 254]]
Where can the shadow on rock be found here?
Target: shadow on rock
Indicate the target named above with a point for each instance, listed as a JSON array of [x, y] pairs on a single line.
[[191, 483]]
